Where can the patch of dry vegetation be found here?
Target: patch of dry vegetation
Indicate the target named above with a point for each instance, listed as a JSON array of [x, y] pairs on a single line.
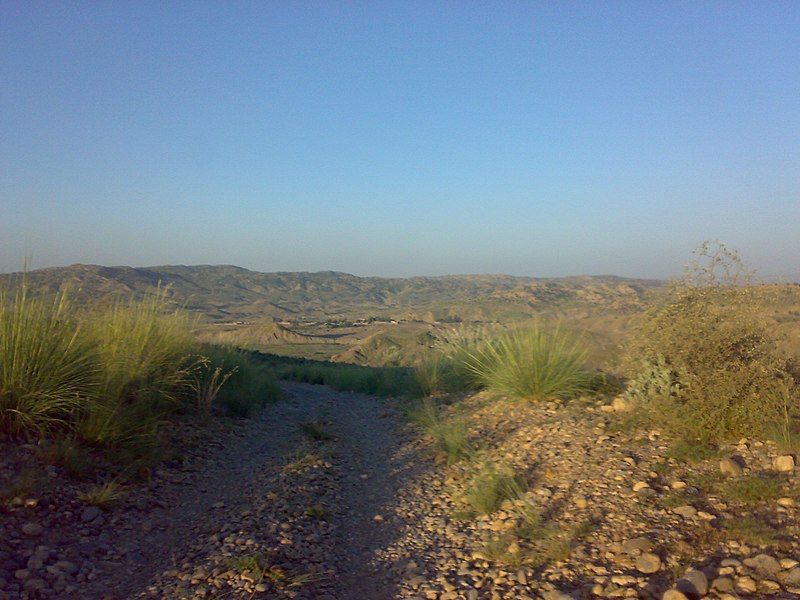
[[110, 377], [704, 364]]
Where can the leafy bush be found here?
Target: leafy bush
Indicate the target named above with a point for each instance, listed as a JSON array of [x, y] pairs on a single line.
[[530, 363], [703, 363]]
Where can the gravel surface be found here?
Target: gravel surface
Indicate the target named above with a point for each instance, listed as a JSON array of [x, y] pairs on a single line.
[[290, 504], [334, 496]]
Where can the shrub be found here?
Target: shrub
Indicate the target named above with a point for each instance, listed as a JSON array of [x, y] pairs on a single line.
[[703, 364], [530, 363]]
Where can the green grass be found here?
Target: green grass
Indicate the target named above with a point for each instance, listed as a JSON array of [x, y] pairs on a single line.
[[491, 486], [755, 488], [250, 385], [430, 374], [256, 563], [451, 434], [145, 354], [104, 495], [47, 368], [301, 460], [751, 530], [373, 381], [316, 431], [317, 511], [530, 363], [109, 377], [20, 485], [260, 567], [692, 451], [534, 542], [66, 452], [676, 499]]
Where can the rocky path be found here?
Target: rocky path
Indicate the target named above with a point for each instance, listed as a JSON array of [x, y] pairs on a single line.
[[296, 510], [333, 496], [293, 504]]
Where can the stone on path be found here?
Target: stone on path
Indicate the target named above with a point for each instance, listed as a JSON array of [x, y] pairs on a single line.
[[32, 529], [693, 583], [764, 564], [648, 563], [90, 513], [687, 512], [729, 466]]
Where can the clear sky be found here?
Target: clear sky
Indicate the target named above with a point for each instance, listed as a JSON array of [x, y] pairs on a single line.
[[400, 138]]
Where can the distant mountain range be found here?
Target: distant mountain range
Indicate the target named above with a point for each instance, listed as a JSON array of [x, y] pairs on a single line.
[[227, 293]]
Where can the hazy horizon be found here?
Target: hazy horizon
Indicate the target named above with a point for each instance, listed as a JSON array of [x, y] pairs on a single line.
[[366, 275], [401, 139]]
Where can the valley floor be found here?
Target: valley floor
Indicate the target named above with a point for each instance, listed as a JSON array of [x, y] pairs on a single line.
[[334, 496]]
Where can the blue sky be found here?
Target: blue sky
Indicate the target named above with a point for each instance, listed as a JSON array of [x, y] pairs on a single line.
[[400, 138]]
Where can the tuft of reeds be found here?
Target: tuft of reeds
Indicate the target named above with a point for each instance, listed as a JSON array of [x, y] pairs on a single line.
[[531, 363], [145, 355], [451, 434], [491, 485], [47, 369]]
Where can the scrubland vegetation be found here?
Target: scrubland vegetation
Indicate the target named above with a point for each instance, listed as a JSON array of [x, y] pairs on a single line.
[[378, 381], [110, 377], [703, 364]]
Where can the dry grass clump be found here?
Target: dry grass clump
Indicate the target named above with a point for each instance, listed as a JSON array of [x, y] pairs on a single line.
[[533, 363], [450, 433], [109, 377], [491, 485], [703, 363], [104, 495], [47, 369]]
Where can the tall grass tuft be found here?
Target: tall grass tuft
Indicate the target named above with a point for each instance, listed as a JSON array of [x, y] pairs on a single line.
[[491, 486], [451, 434], [530, 363], [249, 385], [47, 371], [145, 355]]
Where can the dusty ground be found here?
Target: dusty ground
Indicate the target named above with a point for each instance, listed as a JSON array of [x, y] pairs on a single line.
[[329, 495]]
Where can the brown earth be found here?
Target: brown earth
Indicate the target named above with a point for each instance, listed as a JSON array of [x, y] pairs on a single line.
[[329, 495]]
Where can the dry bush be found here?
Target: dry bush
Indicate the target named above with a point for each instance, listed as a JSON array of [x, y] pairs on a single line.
[[703, 362]]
